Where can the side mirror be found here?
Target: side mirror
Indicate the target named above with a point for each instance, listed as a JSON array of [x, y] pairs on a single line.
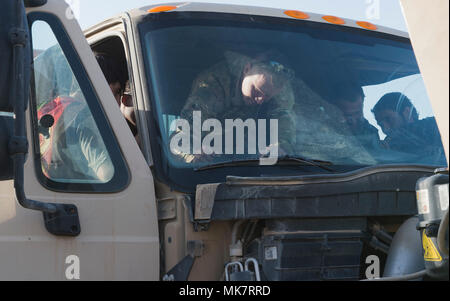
[[59, 219], [6, 132], [7, 18]]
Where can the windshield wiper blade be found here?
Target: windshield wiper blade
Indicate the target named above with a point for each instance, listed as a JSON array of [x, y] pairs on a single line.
[[228, 163], [313, 162], [303, 161]]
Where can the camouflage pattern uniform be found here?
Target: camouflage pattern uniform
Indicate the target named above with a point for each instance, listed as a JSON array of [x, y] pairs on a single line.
[[421, 136], [217, 94], [308, 125], [322, 135], [368, 136]]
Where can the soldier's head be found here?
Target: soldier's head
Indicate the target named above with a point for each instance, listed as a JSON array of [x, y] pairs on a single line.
[[261, 81], [393, 111], [349, 97], [112, 73], [119, 86], [126, 105]]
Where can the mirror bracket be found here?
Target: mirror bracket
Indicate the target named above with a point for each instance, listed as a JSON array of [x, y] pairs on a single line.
[[63, 222]]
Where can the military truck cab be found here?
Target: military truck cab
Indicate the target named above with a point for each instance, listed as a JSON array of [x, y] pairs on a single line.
[[188, 195]]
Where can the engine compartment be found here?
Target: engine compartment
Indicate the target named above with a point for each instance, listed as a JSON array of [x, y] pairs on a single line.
[[291, 250], [296, 228]]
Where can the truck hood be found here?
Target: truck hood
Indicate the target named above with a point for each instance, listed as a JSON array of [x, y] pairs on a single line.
[[375, 191]]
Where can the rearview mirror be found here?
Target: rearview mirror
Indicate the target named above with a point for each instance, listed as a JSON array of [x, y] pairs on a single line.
[[16, 54], [7, 21]]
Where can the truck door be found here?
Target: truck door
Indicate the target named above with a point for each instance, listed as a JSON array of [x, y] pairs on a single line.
[[86, 156]]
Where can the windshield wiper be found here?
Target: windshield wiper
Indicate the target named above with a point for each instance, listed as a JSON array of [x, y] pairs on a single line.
[[313, 162], [300, 160]]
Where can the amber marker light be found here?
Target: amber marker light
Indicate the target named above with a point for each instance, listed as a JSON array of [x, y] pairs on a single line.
[[334, 20], [367, 25], [161, 8], [296, 14]]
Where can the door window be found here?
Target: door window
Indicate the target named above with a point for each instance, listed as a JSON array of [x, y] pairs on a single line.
[[77, 150]]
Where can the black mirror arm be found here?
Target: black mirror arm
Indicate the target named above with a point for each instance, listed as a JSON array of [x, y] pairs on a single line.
[[19, 159]]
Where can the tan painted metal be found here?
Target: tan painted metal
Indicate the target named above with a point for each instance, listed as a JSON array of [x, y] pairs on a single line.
[[177, 231], [428, 25], [119, 232]]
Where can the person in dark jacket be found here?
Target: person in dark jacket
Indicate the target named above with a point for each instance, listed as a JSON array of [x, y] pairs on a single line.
[[349, 98], [405, 132]]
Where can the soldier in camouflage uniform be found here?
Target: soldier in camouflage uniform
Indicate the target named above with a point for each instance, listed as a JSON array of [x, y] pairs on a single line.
[[405, 132], [349, 98], [323, 132], [243, 88]]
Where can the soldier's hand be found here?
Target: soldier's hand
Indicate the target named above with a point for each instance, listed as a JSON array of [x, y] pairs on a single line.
[[269, 151]]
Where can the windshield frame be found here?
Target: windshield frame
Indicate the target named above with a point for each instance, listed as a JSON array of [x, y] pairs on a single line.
[[186, 179]]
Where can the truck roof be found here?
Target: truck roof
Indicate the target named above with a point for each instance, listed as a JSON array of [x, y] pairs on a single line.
[[252, 10]]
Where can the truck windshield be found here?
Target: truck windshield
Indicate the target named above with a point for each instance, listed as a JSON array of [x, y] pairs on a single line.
[[239, 88]]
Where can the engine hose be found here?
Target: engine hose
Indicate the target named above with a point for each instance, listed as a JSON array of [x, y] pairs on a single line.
[[443, 228], [234, 232], [401, 278], [383, 236]]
